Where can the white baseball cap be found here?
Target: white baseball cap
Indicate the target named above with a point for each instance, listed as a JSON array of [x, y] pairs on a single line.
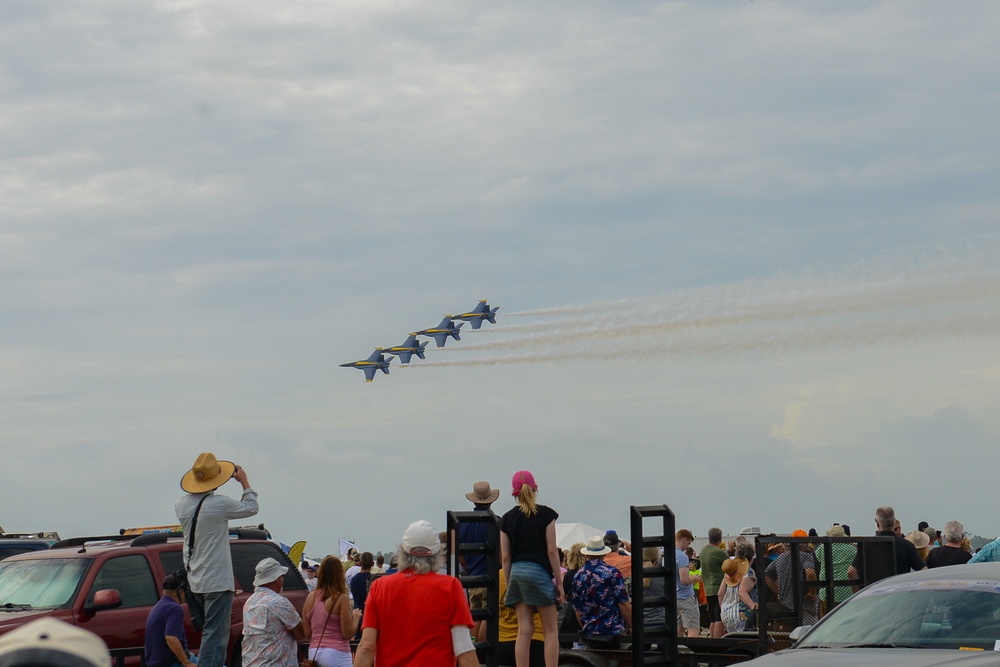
[[420, 539], [49, 641]]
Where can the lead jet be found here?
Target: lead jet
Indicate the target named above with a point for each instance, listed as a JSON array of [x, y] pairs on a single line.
[[441, 332], [376, 362], [409, 347], [481, 312]]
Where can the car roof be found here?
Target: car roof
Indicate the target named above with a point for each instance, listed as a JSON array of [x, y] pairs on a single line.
[[984, 572], [90, 547]]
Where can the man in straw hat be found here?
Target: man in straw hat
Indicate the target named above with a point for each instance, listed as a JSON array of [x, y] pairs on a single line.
[[210, 563], [599, 596], [482, 496]]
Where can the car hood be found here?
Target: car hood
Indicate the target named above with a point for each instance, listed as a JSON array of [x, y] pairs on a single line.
[[875, 657], [11, 619]]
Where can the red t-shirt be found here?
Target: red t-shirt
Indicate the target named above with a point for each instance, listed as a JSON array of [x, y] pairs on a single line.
[[414, 614]]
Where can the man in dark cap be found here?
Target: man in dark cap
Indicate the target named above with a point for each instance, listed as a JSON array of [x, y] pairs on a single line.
[[166, 643]]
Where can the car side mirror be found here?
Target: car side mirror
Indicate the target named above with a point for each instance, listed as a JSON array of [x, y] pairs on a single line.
[[797, 633], [107, 598]]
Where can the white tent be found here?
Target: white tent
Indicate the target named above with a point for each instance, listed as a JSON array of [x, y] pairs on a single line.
[[568, 534]]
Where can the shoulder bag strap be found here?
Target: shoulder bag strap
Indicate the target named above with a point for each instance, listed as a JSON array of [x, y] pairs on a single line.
[[190, 537]]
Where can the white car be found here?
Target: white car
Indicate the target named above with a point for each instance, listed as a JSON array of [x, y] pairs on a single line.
[[945, 616]]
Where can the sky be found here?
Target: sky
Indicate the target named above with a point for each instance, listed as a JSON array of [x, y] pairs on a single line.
[[745, 254]]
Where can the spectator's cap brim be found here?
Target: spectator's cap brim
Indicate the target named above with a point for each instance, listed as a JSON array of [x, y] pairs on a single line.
[[50, 642]]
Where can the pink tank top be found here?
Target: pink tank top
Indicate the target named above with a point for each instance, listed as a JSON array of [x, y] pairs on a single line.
[[332, 637]]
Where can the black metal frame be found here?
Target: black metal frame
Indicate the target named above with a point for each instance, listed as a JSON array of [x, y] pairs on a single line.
[[667, 571], [490, 581], [824, 546]]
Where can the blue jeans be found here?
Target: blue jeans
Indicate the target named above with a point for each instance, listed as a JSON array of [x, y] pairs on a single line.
[[215, 637]]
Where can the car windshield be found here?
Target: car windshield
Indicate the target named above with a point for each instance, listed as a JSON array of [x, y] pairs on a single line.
[[925, 614], [45, 583]]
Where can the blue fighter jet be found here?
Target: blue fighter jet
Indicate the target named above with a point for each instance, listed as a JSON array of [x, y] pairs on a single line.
[[409, 347], [441, 332], [481, 312], [376, 362]]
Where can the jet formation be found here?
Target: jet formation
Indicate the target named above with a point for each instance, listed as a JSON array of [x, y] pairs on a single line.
[[413, 346]]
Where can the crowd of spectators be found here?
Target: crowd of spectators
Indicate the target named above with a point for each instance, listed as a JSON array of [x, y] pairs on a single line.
[[585, 594]]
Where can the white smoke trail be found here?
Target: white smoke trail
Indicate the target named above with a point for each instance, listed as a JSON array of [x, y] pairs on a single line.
[[897, 297], [850, 299], [766, 341], [964, 256]]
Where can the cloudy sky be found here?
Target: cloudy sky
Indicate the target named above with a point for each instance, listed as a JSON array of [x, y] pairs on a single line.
[[745, 254]]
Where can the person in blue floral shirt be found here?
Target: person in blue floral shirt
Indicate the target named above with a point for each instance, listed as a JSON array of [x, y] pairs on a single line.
[[599, 596]]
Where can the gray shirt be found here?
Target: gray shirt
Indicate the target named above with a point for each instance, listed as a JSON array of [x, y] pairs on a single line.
[[210, 569]]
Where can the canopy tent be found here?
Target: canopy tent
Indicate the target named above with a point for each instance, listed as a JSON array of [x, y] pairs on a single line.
[[568, 534]]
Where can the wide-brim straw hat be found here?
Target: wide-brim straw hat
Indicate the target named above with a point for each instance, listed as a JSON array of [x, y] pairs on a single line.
[[595, 547], [207, 474], [735, 569], [482, 494], [919, 538]]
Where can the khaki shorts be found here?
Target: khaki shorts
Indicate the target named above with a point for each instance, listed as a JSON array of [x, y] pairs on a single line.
[[477, 598], [688, 614]]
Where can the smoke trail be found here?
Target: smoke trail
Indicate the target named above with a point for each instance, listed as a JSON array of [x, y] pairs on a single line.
[[851, 299], [768, 341], [972, 255], [898, 297]]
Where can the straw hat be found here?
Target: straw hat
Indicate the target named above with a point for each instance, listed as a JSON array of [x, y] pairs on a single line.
[[735, 569], [207, 474], [595, 547], [836, 531], [919, 538]]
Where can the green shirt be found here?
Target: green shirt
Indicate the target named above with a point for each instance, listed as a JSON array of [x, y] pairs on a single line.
[[712, 558]]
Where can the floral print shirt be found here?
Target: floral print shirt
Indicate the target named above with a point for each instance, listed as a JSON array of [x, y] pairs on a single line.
[[598, 589], [268, 619]]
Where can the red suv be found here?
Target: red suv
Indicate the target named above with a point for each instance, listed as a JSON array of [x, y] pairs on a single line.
[[109, 585]]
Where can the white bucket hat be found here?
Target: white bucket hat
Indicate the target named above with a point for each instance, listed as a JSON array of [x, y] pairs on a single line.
[[268, 570]]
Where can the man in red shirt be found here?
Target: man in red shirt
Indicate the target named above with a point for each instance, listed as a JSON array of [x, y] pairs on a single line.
[[417, 617]]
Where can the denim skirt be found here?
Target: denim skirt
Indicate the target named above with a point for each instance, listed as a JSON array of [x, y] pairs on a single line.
[[531, 584]]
